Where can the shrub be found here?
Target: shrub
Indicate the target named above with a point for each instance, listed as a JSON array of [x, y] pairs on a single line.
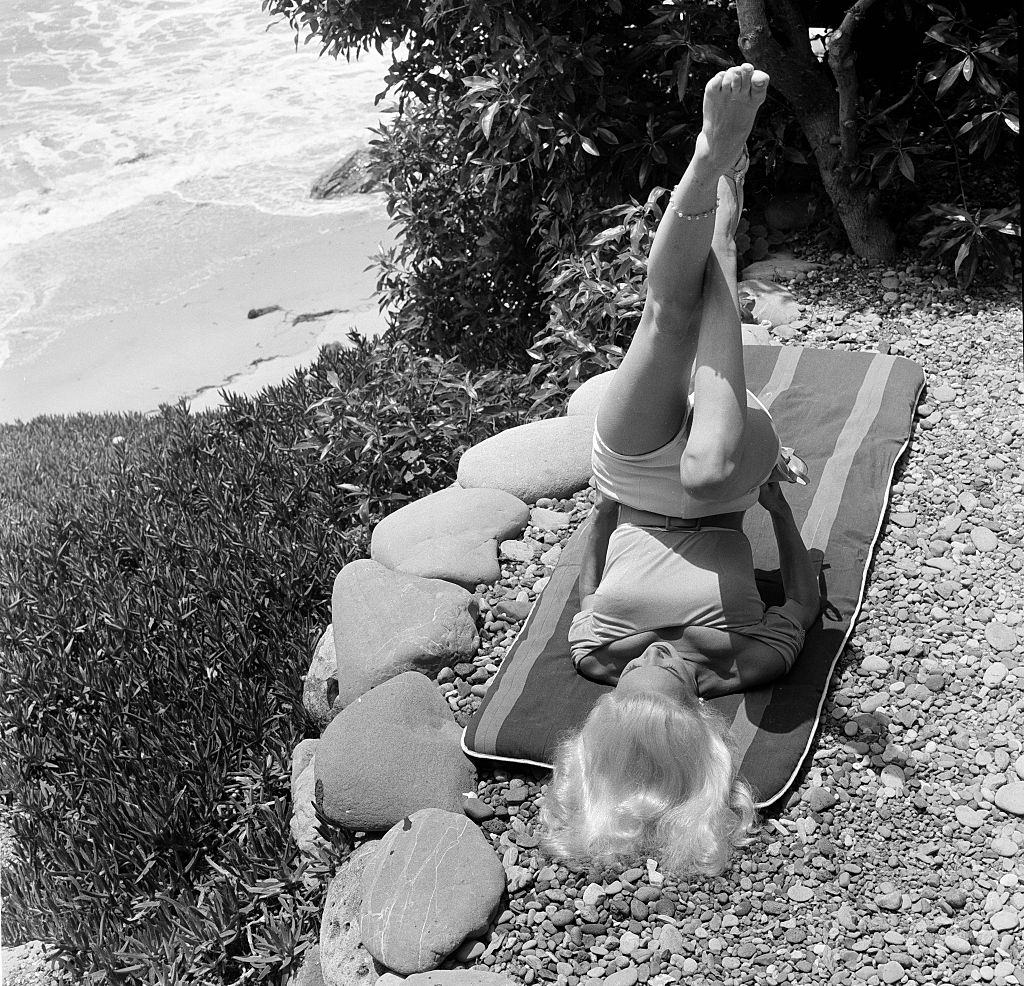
[[153, 634]]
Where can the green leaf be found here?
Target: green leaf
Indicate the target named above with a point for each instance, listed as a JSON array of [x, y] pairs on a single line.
[[487, 119], [589, 146]]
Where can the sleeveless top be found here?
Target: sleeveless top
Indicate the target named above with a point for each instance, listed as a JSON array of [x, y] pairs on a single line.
[[651, 481]]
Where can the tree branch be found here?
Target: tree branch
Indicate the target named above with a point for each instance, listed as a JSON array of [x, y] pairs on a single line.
[[843, 62]]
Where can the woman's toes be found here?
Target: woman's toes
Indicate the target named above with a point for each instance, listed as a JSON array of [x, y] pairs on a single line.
[[715, 83], [734, 80], [746, 73], [759, 82]]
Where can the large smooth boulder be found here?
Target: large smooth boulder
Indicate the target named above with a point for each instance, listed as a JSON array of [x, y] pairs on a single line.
[[343, 959], [549, 458], [320, 689], [772, 302], [393, 751], [586, 398], [452, 535], [434, 883], [386, 623]]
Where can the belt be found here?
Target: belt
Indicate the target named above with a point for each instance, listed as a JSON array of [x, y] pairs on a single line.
[[665, 522]]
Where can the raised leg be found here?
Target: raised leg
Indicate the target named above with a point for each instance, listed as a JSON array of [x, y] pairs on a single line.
[[645, 404]]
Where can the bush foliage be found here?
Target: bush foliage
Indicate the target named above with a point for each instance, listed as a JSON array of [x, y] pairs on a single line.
[[154, 629], [522, 120]]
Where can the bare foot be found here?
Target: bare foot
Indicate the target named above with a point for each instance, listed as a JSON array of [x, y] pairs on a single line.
[[731, 101]]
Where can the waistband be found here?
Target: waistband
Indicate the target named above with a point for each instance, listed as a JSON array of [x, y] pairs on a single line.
[[733, 520]]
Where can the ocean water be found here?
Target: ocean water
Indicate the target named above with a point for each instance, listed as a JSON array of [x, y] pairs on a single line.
[[107, 103]]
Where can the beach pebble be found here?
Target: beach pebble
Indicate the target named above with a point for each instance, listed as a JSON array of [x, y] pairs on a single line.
[[900, 644], [904, 519], [958, 944], [1005, 920], [984, 539], [943, 394], [995, 673], [514, 550], [1010, 798], [800, 894], [1000, 636], [873, 664], [1004, 847], [549, 520], [891, 972], [969, 817], [433, 883]]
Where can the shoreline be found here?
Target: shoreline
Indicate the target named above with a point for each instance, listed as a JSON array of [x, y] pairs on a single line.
[[151, 304]]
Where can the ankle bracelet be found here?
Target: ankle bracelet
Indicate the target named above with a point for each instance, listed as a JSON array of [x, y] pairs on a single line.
[[692, 216]]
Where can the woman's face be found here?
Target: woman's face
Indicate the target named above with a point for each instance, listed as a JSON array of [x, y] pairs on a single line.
[[660, 669]]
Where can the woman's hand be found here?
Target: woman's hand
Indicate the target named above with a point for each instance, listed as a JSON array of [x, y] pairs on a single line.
[[770, 497]]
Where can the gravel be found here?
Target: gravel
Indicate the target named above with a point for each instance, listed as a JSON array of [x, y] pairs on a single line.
[[896, 858]]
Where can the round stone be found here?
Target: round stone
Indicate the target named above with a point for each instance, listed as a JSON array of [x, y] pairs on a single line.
[[969, 817], [943, 394], [900, 644], [957, 944], [1000, 636], [1004, 847], [800, 894], [994, 674], [892, 972], [984, 539], [1005, 920], [1010, 798]]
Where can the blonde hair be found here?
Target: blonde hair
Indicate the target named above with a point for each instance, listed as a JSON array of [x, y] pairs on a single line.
[[646, 776]]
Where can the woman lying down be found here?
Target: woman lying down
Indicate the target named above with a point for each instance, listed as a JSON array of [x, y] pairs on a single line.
[[670, 611]]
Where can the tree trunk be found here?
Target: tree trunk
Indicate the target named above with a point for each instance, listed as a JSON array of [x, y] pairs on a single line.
[[783, 50]]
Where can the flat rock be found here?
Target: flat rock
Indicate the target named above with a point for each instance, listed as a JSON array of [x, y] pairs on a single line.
[[772, 302], [320, 689], [343, 959], [1000, 636], [781, 266], [900, 644], [434, 883], [585, 400], [1010, 798], [452, 534], [545, 519], [984, 539], [943, 394], [903, 518], [548, 458], [969, 817], [302, 757], [387, 622], [303, 821], [393, 751], [447, 977], [994, 674], [752, 335], [873, 664]]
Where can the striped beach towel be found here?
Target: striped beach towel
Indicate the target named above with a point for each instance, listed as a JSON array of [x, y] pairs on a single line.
[[849, 415]]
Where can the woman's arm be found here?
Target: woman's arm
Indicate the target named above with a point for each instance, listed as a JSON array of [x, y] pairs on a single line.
[[603, 520], [799, 578]]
